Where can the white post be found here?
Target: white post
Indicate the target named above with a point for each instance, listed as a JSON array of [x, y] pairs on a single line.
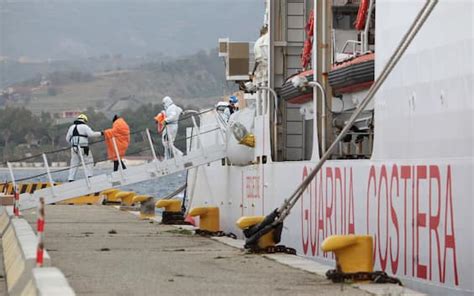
[[88, 182], [220, 127], [11, 174], [323, 113], [16, 194], [275, 117], [201, 147], [50, 178], [365, 34], [118, 159], [151, 144]]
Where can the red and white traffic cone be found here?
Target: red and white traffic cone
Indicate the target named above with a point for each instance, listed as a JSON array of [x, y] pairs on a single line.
[[40, 229], [16, 204]]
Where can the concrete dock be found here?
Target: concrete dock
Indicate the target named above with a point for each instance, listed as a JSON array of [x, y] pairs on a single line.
[[104, 251]]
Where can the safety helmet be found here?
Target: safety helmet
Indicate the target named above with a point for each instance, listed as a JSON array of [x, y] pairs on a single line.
[[233, 100], [83, 118]]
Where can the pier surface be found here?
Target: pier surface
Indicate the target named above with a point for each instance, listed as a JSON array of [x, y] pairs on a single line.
[[104, 251]]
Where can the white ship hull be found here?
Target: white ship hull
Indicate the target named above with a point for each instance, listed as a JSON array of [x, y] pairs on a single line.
[[415, 194], [419, 212]]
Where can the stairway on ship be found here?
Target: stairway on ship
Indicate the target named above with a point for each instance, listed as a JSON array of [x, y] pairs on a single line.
[[155, 169]]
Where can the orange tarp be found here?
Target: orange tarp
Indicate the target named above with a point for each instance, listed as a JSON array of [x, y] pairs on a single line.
[[121, 132]]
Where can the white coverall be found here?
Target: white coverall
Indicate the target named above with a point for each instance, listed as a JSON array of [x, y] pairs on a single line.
[[171, 129], [77, 142]]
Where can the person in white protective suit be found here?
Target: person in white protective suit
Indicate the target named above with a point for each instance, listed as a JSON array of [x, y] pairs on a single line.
[[171, 127], [78, 136]]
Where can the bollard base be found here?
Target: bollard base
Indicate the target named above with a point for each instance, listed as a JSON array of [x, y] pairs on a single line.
[[173, 218]]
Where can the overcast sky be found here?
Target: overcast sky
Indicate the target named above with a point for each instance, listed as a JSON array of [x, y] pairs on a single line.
[[67, 28]]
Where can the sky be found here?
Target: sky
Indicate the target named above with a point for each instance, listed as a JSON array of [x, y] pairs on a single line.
[[68, 29]]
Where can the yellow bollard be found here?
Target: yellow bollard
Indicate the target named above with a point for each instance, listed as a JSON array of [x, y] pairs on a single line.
[[353, 252], [208, 218], [90, 199], [173, 213], [110, 195], [170, 205], [147, 206], [248, 221], [125, 197]]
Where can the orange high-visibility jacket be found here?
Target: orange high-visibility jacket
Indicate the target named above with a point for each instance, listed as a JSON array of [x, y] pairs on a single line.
[[160, 119], [121, 132]]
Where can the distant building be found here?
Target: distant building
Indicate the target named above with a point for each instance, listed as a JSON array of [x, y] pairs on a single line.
[[66, 116], [16, 93]]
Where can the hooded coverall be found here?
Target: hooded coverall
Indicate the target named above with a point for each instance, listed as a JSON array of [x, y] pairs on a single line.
[[78, 136], [120, 131], [171, 129]]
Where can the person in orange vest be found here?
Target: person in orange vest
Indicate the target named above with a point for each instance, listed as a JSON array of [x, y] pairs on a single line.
[[121, 133]]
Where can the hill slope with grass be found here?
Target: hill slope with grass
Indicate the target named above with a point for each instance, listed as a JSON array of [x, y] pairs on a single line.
[[196, 80]]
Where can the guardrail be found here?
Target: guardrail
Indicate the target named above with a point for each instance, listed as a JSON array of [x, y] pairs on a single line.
[[19, 254], [48, 281], [19, 244]]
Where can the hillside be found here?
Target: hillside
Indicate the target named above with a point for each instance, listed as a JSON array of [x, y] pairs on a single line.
[[197, 80]]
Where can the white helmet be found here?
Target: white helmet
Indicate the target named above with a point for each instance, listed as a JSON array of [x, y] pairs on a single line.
[[167, 101]]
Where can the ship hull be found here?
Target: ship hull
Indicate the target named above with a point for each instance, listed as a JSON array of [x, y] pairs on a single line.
[[418, 211]]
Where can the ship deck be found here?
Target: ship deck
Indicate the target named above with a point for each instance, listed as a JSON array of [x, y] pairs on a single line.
[[104, 251]]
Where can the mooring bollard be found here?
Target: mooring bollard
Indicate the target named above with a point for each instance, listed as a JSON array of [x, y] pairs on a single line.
[[40, 229]]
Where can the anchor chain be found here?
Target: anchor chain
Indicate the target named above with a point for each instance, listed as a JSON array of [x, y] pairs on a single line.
[[173, 218], [207, 233], [378, 277], [273, 250]]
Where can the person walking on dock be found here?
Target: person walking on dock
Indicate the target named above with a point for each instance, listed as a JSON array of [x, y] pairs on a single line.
[[78, 136], [170, 127], [121, 133]]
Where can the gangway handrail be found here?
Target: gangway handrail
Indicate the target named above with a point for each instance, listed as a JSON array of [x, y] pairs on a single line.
[[91, 143], [101, 140], [99, 161], [204, 153], [134, 174]]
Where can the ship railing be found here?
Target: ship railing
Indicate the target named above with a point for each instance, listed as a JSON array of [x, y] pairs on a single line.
[[353, 48]]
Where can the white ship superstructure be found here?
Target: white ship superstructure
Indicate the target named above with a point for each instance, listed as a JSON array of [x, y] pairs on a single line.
[[413, 191]]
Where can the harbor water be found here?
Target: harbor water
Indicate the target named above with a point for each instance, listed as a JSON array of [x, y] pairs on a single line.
[[157, 188]]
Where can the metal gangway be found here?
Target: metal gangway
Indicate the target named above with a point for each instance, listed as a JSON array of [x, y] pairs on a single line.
[[205, 149]]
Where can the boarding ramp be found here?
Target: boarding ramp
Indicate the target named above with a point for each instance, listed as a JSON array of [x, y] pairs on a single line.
[[205, 144]]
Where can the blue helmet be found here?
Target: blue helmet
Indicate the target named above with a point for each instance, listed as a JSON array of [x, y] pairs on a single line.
[[233, 100]]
